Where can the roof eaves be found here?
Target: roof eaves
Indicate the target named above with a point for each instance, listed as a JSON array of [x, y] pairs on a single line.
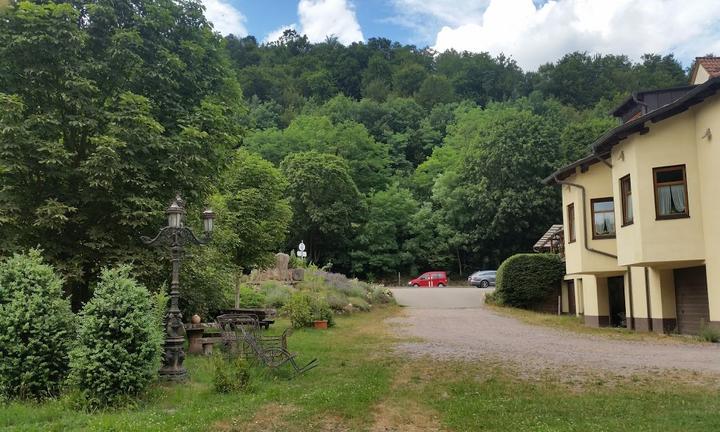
[[694, 96]]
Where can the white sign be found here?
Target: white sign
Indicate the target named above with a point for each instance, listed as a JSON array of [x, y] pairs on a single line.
[[302, 254], [301, 246]]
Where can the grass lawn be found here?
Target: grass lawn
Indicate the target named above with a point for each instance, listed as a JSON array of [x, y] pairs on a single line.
[[576, 324], [362, 385]]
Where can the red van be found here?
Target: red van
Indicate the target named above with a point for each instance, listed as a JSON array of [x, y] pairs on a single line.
[[430, 279]]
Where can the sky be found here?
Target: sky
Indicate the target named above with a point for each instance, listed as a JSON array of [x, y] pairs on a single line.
[[533, 32]]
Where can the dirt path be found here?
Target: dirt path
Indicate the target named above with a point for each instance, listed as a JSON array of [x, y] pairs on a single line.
[[479, 333]]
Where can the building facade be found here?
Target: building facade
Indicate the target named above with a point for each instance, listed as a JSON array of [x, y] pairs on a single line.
[[641, 214]]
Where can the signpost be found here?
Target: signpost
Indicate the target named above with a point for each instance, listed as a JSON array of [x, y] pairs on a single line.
[[301, 251]]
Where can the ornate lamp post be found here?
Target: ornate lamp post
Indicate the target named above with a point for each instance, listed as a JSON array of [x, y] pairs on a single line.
[[176, 235]]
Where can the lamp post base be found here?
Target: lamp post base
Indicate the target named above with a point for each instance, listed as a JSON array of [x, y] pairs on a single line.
[[172, 368]]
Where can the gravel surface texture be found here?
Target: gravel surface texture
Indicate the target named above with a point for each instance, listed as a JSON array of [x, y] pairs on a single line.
[[477, 332]]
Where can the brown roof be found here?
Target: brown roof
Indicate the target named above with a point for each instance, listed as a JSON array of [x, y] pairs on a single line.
[[711, 65], [601, 147]]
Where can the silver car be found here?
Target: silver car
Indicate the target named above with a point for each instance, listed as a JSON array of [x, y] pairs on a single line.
[[483, 278]]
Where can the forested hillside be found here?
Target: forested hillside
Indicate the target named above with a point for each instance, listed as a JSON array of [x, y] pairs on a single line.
[[446, 149], [383, 158]]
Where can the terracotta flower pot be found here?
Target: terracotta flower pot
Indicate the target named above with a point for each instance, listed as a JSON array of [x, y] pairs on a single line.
[[321, 324]]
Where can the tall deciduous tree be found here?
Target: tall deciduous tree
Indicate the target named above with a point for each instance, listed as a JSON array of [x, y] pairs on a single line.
[[493, 197], [252, 221], [380, 244], [107, 109], [325, 203], [368, 159]]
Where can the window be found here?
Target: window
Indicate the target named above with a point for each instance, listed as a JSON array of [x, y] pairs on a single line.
[[626, 194], [603, 216], [671, 198], [571, 223]]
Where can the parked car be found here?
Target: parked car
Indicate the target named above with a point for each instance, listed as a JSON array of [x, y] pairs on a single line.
[[482, 278], [430, 279]]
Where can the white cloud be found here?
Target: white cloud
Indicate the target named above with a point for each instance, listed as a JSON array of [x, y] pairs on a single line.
[[450, 12], [322, 18], [534, 35], [225, 18], [275, 34]]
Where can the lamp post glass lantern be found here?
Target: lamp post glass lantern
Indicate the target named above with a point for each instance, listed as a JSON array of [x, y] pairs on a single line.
[[176, 236]]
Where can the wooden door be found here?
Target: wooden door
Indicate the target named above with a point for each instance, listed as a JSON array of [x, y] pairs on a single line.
[[691, 299], [571, 297]]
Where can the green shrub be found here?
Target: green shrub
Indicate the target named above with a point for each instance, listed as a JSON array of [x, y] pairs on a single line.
[[299, 310], [709, 333], [380, 295], [321, 310], [120, 341], [251, 298], [36, 328], [524, 280], [337, 300], [230, 374], [359, 303], [491, 298], [304, 308], [276, 294]]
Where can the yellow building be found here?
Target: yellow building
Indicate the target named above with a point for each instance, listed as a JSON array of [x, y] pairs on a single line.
[[642, 213]]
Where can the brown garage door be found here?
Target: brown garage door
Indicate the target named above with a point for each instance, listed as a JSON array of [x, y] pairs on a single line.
[[691, 299]]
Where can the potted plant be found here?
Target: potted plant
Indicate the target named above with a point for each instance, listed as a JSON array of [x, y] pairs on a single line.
[[322, 314], [320, 324]]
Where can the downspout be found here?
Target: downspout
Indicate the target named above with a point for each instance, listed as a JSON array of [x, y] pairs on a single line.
[[647, 299], [631, 318], [585, 236]]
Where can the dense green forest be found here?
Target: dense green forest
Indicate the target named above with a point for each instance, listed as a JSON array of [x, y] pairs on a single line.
[[382, 157]]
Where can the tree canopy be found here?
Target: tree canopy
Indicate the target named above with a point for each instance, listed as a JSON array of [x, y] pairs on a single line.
[[382, 157]]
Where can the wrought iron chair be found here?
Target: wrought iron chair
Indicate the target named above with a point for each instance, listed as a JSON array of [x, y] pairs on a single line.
[[270, 351]]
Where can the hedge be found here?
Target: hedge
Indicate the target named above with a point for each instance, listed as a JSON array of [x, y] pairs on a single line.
[[120, 341], [36, 328], [524, 280]]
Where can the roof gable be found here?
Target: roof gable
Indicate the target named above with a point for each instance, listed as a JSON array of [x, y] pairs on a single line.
[[711, 65]]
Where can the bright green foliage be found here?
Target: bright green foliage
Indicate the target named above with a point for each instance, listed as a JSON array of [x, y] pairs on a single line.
[[300, 309], [493, 197], [523, 280], [252, 217], [230, 374], [207, 281], [576, 138], [379, 248], [304, 308], [106, 109], [325, 203], [367, 158], [36, 328], [251, 298], [120, 339], [321, 310], [253, 211]]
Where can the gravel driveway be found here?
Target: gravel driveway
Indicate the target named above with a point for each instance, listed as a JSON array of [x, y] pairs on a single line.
[[476, 332]]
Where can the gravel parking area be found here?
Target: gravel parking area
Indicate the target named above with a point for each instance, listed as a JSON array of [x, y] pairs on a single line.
[[477, 332]]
